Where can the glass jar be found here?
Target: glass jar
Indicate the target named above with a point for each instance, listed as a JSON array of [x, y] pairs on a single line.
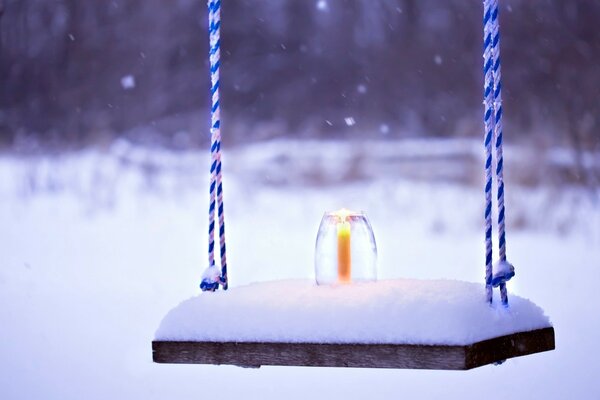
[[345, 250]]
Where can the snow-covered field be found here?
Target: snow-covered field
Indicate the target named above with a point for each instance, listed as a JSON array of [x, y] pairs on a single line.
[[97, 246]]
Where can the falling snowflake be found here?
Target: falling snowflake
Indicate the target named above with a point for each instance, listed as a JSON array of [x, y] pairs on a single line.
[[128, 82], [349, 121]]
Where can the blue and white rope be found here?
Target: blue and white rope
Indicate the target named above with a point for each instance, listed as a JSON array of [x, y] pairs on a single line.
[[498, 135], [216, 183], [488, 102], [502, 271]]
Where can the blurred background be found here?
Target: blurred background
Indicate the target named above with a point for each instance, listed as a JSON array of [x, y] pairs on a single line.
[[372, 105], [76, 73]]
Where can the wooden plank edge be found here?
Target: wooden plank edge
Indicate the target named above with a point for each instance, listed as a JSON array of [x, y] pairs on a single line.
[[441, 357], [253, 354], [510, 346]]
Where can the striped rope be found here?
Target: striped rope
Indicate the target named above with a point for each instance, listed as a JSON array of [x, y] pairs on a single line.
[[488, 135], [497, 75], [216, 184]]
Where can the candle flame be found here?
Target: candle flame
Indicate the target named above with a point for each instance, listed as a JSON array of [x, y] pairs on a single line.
[[343, 214]]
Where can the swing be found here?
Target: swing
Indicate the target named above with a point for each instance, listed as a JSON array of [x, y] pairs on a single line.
[[302, 324]]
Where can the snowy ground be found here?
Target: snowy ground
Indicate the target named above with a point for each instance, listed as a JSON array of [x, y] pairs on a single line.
[[96, 247]]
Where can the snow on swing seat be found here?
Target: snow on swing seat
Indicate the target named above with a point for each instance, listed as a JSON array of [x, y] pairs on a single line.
[[404, 323]]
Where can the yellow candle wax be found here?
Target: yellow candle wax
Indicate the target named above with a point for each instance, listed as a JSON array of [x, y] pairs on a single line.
[[344, 251]]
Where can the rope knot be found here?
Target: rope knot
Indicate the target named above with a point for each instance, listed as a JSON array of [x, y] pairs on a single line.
[[502, 271], [211, 279]]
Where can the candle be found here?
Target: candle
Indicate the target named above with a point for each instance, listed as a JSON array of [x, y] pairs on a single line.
[[344, 247]]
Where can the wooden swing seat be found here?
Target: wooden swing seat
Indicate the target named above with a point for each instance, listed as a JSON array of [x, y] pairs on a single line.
[[355, 355], [404, 323]]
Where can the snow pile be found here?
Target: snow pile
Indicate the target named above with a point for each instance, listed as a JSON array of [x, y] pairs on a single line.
[[394, 311]]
